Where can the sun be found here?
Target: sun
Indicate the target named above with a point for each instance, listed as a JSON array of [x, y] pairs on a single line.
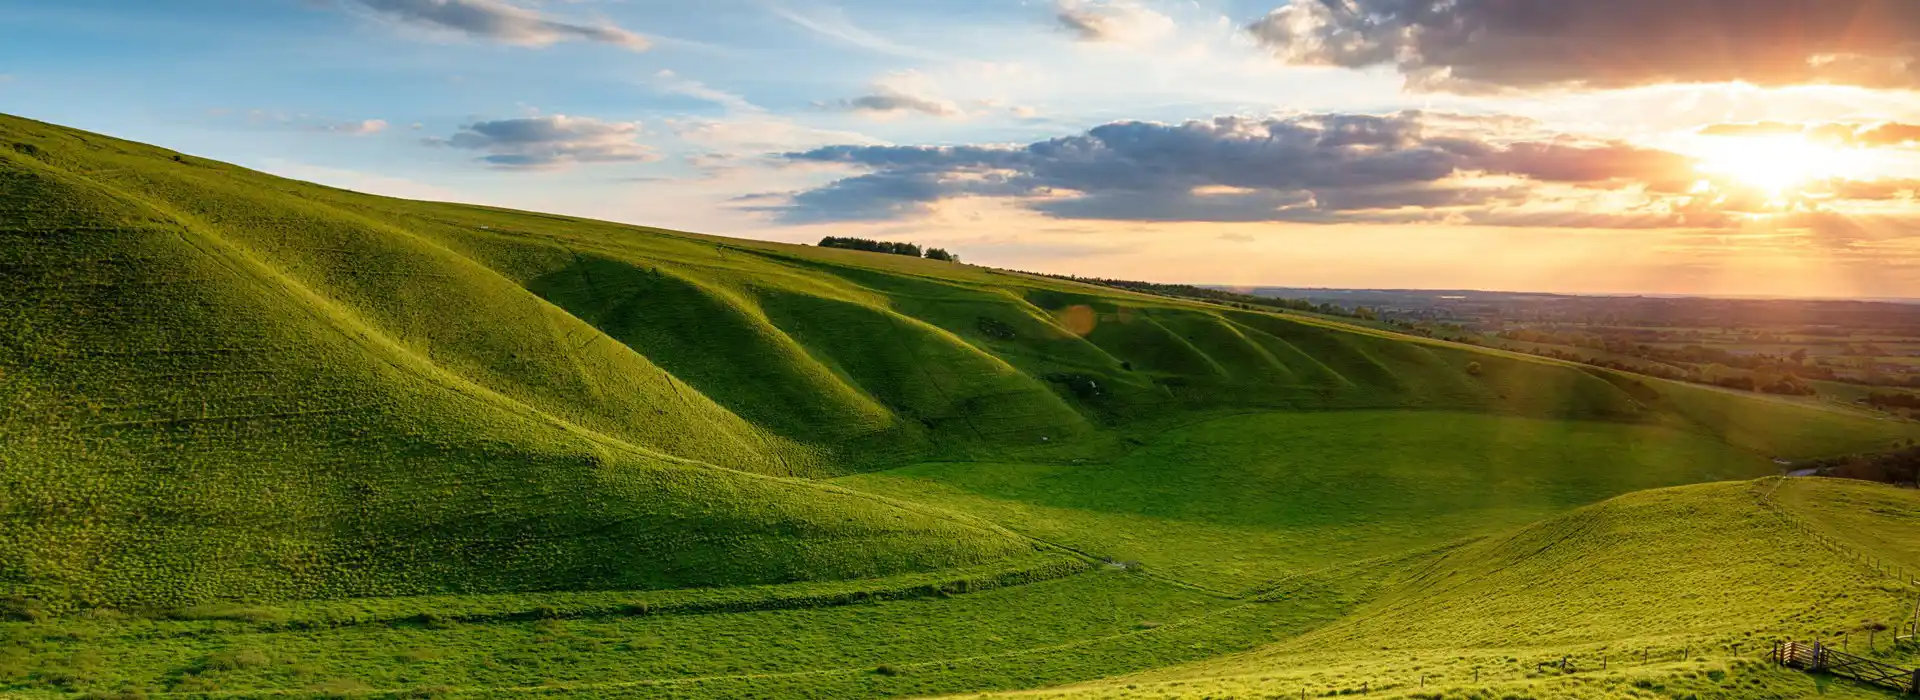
[[1778, 164]]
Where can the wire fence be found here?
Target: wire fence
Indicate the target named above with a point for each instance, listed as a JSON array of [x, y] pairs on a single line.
[[1763, 491]]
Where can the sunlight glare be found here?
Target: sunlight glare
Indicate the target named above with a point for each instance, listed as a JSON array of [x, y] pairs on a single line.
[[1779, 164]]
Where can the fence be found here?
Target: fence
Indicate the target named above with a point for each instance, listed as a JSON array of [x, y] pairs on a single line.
[[1763, 491], [1820, 658]]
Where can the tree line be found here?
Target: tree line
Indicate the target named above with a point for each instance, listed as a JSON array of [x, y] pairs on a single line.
[[888, 247]]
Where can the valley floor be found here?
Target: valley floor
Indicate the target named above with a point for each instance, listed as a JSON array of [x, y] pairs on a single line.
[[1426, 562]]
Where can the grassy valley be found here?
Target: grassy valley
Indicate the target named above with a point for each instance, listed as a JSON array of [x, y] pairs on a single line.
[[260, 437]]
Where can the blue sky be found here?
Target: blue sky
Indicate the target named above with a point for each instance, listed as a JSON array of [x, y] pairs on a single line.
[[1229, 141]]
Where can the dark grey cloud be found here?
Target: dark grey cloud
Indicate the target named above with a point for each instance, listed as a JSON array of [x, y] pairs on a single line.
[[497, 20], [1318, 168], [550, 142], [1477, 45]]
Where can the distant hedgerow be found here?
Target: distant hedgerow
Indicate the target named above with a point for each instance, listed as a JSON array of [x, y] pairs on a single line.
[[872, 246]]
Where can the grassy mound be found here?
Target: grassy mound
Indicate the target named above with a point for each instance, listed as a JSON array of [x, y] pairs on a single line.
[[1671, 590]]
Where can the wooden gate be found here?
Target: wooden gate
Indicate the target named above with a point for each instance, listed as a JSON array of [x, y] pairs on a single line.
[[1817, 657]]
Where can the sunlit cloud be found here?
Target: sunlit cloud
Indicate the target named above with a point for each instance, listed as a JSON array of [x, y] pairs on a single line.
[[1119, 21]]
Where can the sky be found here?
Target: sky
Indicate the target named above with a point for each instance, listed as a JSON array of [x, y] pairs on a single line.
[[1751, 147]]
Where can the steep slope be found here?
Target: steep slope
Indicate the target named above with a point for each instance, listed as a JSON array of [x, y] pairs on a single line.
[[216, 383], [186, 420]]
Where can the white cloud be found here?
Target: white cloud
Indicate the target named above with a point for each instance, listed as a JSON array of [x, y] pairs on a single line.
[[360, 128], [554, 141], [1119, 21], [833, 24], [747, 130]]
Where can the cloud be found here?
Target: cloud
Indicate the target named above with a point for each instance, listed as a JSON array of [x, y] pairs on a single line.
[[906, 92], [1483, 45], [1113, 21], [668, 81], [279, 120], [497, 20], [887, 101], [359, 128], [551, 142], [1313, 168], [1878, 135], [833, 24], [747, 130]]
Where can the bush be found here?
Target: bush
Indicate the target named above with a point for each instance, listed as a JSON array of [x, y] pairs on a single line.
[[1081, 385], [1474, 368], [995, 328], [889, 670]]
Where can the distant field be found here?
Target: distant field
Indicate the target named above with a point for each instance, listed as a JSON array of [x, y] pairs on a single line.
[[263, 438]]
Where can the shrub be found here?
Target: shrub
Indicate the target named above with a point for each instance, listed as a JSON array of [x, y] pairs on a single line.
[[889, 670], [995, 328], [1474, 368], [433, 621], [1081, 385]]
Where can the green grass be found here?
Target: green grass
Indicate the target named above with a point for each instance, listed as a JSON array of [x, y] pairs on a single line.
[[1233, 502], [1638, 583], [259, 436]]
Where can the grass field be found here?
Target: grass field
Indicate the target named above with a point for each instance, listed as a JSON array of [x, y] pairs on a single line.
[[1233, 502], [263, 437]]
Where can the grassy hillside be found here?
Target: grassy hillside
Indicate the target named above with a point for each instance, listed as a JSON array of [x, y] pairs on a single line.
[[198, 405], [1676, 592], [263, 436]]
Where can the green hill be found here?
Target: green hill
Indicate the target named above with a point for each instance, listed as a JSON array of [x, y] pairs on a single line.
[[310, 392], [1664, 593], [242, 413]]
